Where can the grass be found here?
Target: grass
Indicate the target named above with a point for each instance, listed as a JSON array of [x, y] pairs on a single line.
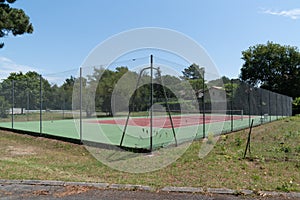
[[274, 162]]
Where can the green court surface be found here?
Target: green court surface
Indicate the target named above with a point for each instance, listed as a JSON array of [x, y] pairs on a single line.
[[136, 136]]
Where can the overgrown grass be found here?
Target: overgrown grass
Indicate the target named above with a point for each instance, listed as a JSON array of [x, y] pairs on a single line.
[[274, 162]]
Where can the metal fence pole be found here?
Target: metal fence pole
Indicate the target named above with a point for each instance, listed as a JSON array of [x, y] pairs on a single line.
[[231, 104], [80, 101], [41, 106], [269, 106], [249, 106], [281, 97], [12, 104], [27, 112], [151, 102], [203, 103], [261, 105], [276, 106]]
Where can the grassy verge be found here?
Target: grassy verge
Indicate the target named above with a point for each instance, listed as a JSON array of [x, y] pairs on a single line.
[[274, 163]]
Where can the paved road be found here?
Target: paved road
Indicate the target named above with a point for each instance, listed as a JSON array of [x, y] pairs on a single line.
[[23, 191]]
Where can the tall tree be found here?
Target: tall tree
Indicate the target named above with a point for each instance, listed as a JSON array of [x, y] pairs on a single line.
[[66, 91], [273, 67], [193, 72], [194, 75], [26, 90], [13, 20]]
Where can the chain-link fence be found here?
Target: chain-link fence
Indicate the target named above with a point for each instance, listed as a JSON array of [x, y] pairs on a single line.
[[35, 103], [50, 104], [255, 103]]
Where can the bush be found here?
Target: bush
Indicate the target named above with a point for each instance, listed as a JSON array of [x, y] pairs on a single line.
[[296, 106]]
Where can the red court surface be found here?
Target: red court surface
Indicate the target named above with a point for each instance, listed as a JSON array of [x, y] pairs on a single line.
[[164, 122]]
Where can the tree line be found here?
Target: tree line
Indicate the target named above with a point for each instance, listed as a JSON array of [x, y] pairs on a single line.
[[31, 91], [270, 66], [273, 67]]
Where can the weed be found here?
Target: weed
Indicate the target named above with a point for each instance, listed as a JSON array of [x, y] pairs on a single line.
[[238, 141], [297, 149], [285, 149], [255, 177], [285, 187]]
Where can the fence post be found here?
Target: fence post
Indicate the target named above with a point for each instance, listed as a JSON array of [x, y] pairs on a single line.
[[276, 106], [203, 103], [41, 106], [28, 101], [12, 104], [80, 104], [249, 105], [269, 106], [231, 104]]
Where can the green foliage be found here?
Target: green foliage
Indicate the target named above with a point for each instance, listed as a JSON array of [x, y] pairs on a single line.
[[220, 82], [13, 20], [285, 186], [273, 67], [238, 141], [24, 85], [296, 105], [109, 91], [193, 72], [298, 149], [231, 89], [296, 101], [26, 88], [285, 149], [4, 107]]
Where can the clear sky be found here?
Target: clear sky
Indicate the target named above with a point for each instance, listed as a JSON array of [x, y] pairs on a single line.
[[65, 31]]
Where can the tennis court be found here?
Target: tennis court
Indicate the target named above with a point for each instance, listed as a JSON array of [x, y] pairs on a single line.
[[72, 111], [109, 130]]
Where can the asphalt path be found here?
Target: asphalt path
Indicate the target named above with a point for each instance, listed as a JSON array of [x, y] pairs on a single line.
[[68, 192]]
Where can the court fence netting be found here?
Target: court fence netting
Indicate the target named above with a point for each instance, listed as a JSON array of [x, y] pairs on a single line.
[[76, 106]]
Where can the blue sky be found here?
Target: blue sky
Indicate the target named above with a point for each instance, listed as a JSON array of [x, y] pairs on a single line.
[[65, 32]]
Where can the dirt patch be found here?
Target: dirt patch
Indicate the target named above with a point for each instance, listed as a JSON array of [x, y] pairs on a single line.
[[74, 190], [20, 151]]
